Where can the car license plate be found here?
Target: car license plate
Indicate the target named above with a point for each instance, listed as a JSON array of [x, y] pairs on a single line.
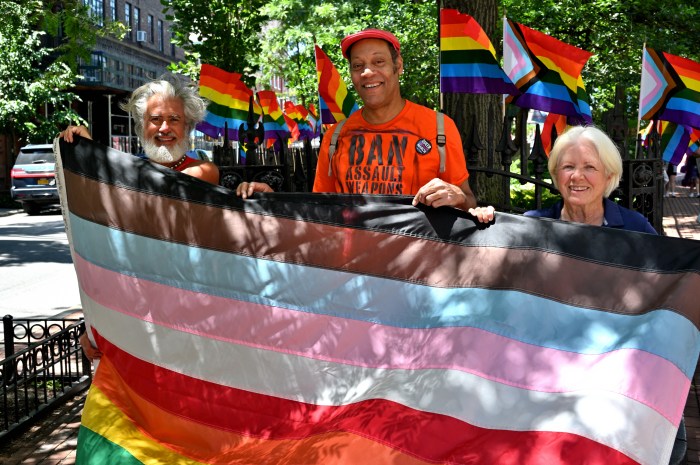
[[43, 181]]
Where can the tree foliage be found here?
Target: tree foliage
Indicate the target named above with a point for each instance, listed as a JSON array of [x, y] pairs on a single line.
[[223, 33], [36, 71], [288, 41]]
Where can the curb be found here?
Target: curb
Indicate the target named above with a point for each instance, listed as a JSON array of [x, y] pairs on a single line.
[[8, 212]]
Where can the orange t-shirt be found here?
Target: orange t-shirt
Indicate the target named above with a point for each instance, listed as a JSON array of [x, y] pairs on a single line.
[[396, 158]]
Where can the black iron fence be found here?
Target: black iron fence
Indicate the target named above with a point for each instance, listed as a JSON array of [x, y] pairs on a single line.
[[285, 169], [42, 366]]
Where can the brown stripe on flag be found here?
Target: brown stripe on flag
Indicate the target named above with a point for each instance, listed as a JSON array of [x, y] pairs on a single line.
[[569, 280]]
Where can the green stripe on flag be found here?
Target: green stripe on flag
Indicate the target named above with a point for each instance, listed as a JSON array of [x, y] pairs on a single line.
[[94, 449]]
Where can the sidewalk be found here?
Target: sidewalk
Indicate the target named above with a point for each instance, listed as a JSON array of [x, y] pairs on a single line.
[[53, 440]]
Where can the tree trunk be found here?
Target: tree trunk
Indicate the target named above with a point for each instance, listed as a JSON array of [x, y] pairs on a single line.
[[471, 111]]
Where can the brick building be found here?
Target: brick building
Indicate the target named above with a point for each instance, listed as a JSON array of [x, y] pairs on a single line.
[[115, 69], [119, 66]]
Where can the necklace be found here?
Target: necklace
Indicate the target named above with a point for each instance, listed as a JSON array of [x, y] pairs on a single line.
[[178, 163]]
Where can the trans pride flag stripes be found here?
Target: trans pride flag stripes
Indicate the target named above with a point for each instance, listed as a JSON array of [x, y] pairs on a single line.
[[670, 88], [546, 71], [311, 328], [229, 102], [468, 61], [335, 102]]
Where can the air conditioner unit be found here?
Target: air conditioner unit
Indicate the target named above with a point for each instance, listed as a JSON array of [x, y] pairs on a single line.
[[140, 36]]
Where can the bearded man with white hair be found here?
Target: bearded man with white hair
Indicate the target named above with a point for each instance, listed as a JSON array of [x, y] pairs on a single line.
[[164, 114]]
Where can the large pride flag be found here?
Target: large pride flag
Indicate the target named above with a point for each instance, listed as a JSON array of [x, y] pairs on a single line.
[[468, 62], [335, 102], [547, 72], [229, 99], [670, 88], [323, 329]]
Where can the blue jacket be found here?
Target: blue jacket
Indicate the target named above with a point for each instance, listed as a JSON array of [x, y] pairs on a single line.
[[615, 216]]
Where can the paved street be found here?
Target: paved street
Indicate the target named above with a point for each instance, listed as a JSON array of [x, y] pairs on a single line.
[[37, 278]]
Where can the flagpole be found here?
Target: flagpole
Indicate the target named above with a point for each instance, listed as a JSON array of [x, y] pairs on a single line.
[[503, 49], [318, 90], [639, 121]]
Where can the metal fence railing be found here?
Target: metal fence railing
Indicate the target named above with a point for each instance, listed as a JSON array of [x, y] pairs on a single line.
[[43, 365]]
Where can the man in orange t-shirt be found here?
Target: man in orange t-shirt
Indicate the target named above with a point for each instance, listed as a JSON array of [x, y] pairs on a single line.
[[390, 146], [398, 157]]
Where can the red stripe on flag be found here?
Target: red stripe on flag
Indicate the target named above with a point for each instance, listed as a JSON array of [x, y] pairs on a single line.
[[433, 437]]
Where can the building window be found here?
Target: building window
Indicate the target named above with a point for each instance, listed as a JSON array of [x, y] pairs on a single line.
[[137, 19], [113, 10], [127, 20], [161, 37], [151, 32], [96, 10], [172, 45]]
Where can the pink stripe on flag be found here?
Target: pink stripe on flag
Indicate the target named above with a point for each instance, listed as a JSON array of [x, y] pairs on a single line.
[[657, 87], [360, 343], [519, 62]]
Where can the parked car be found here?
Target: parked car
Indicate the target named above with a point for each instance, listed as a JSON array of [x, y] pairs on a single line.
[[34, 179]]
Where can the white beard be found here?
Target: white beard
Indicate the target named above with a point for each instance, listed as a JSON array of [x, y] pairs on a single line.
[[164, 154]]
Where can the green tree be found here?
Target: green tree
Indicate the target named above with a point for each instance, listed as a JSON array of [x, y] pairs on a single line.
[[288, 41], [295, 26], [223, 33], [37, 70]]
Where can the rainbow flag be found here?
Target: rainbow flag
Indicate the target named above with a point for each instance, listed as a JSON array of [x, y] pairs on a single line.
[[645, 133], [675, 139], [553, 124], [273, 119], [230, 101], [312, 118], [468, 62], [298, 114], [547, 72], [334, 100], [315, 329], [312, 110], [293, 128], [694, 142], [670, 88], [308, 122], [693, 148]]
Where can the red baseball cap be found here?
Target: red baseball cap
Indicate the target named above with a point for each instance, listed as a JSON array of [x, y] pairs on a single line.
[[348, 41]]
